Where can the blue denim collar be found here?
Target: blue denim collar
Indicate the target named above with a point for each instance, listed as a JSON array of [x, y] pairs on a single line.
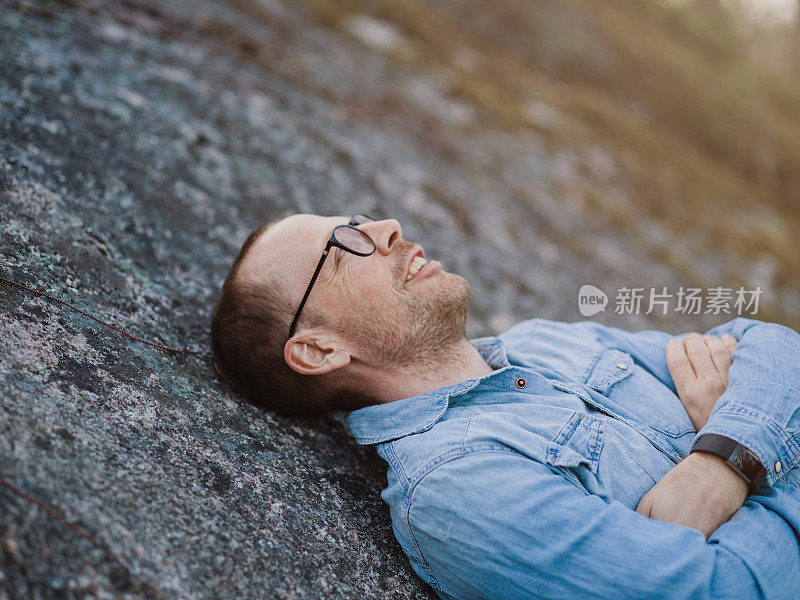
[[383, 422]]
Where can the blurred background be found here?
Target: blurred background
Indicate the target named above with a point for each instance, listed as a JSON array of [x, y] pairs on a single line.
[[674, 124], [533, 146]]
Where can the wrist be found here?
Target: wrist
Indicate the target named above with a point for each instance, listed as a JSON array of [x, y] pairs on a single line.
[[720, 472], [737, 456]]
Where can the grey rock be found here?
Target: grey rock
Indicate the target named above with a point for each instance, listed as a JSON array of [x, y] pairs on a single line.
[[140, 142]]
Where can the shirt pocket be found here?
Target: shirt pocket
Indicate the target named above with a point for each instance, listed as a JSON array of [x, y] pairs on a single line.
[[569, 442], [635, 394], [575, 451], [578, 443]]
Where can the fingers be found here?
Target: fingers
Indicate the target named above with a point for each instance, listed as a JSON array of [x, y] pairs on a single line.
[[699, 354], [729, 341], [680, 368], [700, 357], [699, 368], [720, 354]]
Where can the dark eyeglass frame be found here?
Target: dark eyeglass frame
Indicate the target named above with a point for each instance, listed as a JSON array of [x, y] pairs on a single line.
[[357, 219]]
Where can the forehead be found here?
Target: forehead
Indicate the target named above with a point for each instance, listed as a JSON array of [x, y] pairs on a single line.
[[292, 242]]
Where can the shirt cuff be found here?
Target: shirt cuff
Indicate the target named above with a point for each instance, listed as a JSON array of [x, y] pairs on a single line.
[[771, 442]]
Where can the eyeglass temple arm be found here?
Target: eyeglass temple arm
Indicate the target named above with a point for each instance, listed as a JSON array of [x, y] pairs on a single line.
[[308, 289]]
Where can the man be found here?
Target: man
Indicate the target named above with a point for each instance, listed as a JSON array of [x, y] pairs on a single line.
[[554, 461]]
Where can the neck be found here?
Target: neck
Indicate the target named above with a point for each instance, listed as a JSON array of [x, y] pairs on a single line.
[[462, 362]]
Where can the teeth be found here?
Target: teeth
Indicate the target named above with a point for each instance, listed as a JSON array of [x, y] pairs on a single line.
[[415, 266]]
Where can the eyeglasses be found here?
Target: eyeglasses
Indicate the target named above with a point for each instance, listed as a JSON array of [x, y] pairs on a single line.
[[349, 239]]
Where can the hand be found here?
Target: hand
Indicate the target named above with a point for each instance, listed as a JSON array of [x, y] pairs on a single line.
[[699, 367], [702, 491]]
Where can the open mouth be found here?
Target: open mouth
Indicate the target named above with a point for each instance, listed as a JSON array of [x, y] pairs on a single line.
[[418, 261]]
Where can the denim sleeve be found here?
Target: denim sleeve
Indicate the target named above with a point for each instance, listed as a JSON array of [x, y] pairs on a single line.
[[761, 407], [496, 524]]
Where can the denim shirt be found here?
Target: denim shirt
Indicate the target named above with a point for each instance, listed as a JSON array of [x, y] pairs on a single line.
[[524, 483]]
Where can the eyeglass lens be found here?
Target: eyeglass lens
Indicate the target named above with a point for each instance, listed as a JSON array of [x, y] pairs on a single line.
[[353, 239], [359, 219]]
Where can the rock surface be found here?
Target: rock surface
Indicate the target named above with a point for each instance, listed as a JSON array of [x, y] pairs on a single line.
[[140, 142]]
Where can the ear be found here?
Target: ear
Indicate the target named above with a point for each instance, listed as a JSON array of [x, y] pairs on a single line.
[[313, 354]]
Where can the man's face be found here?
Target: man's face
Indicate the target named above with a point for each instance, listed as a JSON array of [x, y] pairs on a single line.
[[369, 301]]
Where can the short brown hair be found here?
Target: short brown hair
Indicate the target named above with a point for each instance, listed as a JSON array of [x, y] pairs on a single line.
[[248, 333]]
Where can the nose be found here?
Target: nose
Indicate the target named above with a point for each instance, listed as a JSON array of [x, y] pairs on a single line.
[[386, 234]]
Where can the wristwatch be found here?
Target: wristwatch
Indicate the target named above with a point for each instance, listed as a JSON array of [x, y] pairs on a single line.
[[737, 455]]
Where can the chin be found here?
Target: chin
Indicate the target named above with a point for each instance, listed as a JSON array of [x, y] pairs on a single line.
[[447, 309], [458, 284]]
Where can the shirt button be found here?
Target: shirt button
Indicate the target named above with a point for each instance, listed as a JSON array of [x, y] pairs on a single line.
[[521, 383], [778, 466], [622, 366]]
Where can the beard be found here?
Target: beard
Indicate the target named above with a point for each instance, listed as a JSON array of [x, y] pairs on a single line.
[[436, 322], [422, 331]]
